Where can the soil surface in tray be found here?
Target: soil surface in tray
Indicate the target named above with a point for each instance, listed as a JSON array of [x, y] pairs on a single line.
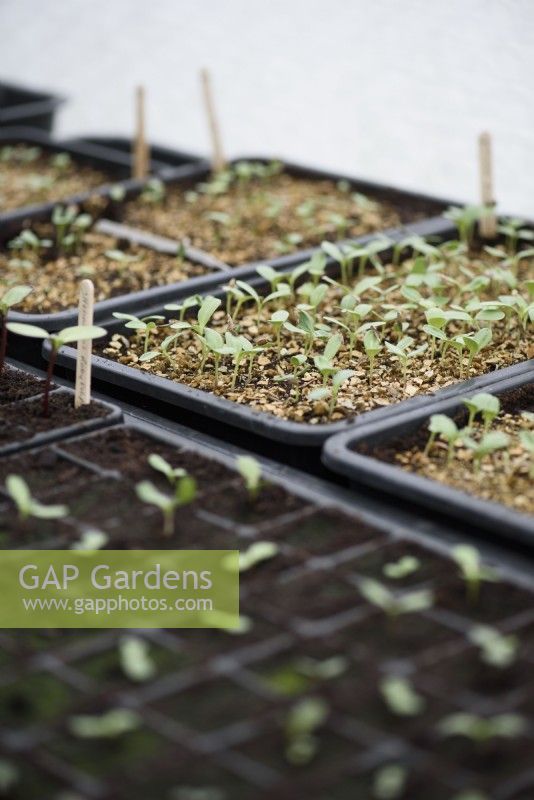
[[380, 300], [29, 175], [18, 385], [23, 420], [263, 217], [504, 475], [319, 694], [116, 267]]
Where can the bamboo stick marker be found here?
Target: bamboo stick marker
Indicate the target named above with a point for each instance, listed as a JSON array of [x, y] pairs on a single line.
[[140, 155], [82, 389], [488, 223], [218, 159]]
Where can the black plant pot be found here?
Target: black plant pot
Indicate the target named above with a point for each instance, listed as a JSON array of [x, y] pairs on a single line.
[[350, 454], [22, 106]]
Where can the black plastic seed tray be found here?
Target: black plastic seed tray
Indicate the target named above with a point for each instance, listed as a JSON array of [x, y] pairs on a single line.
[[294, 443], [134, 301], [351, 454], [161, 158], [421, 212], [213, 714], [22, 390], [112, 165], [28, 107]]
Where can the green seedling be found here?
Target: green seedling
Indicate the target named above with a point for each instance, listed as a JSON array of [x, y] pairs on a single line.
[[12, 297], [206, 311], [9, 777], [472, 343], [302, 722], [164, 350], [483, 730], [472, 570], [26, 505], [270, 275], [300, 365], [188, 302], [369, 253], [443, 426], [325, 362], [277, 320], [487, 405], [29, 242], [401, 351], [392, 604], [70, 228], [308, 329], [526, 440], [145, 325], [185, 491], [338, 379], [91, 540], [214, 344], [515, 229], [497, 650], [343, 256], [403, 568], [153, 192], [241, 349], [490, 443], [120, 257], [389, 782], [109, 725], [61, 162], [257, 553], [78, 333], [417, 244], [250, 470], [288, 242], [117, 193], [372, 346], [173, 474], [465, 220], [325, 670], [401, 698], [136, 663]]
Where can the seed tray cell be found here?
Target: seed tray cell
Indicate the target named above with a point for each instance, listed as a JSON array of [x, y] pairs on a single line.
[[22, 425]]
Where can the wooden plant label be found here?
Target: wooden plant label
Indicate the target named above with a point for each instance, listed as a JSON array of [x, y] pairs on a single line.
[[82, 390], [140, 156], [488, 223], [218, 159]]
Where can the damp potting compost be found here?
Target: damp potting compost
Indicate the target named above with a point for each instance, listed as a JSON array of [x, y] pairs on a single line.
[[365, 658]]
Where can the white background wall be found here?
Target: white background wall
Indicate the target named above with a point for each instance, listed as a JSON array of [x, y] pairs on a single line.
[[393, 90]]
